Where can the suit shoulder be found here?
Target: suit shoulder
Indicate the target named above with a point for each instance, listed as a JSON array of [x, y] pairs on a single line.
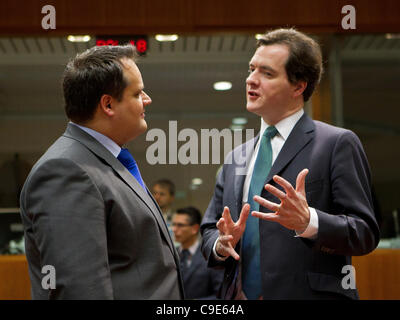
[[65, 149], [53, 167], [329, 130], [64, 155], [336, 137]]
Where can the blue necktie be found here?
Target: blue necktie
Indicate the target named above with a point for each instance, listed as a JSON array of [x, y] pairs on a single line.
[[129, 162], [251, 269]]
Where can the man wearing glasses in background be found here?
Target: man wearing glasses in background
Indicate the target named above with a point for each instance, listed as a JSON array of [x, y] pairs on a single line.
[[199, 281]]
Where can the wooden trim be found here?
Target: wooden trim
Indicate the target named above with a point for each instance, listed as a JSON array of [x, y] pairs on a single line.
[[18, 17]]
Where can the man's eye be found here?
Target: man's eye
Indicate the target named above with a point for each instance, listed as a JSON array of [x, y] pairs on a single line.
[[250, 70]]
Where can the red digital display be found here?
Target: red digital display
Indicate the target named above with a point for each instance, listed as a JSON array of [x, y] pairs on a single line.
[[140, 42]]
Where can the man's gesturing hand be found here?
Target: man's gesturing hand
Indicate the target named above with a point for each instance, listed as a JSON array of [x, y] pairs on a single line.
[[293, 212], [230, 232]]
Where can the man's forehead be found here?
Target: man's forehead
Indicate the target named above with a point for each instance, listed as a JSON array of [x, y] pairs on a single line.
[[277, 53], [160, 187], [128, 63], [130, 69], [180, 216]]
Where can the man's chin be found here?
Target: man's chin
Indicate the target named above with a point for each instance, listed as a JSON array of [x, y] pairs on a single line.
[[143, 127], [253, 108]]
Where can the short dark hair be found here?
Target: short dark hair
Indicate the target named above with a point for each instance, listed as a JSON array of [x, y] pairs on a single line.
[[305, 58], [193, 213], [166, 184], [91, 74]]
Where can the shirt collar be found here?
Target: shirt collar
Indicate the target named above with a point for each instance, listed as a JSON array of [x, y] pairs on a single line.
[[109, 144], [285, 126], [192, 249]]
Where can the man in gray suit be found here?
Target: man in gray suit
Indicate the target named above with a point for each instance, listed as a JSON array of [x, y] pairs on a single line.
[[85, 208], [302, 232]]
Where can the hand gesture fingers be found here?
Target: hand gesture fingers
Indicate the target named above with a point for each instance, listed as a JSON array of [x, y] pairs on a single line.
[[224, 247], [226, 215], [275, 191], [293, 212], [244, 214], [301, 182], [267, 204], [286, 186], [230, 232]]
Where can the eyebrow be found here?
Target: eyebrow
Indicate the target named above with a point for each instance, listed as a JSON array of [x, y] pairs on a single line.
[[139, 90], [264, 68]]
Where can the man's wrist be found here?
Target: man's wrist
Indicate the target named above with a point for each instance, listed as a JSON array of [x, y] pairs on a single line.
[[311, 230], [217, 256]]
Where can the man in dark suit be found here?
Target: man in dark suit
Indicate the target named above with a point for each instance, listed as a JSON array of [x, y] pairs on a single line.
[[85, 208], [301, 232], [199, 281]]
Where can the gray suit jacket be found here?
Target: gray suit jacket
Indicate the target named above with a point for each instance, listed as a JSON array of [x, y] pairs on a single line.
[[337, 186], [86, 215]]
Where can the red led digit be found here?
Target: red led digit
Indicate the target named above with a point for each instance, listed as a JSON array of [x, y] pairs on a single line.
[[111, 42], [141, 45]]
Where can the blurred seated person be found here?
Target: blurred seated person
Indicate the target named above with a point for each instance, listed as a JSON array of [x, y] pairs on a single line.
[[199, 281], [163, 191]]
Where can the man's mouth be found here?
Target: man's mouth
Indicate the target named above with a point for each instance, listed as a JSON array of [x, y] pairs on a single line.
[[253, 94]]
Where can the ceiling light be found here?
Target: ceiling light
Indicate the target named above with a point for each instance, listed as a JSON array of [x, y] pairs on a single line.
[[392, 36], [222, 85], [166, 37], [258, 36], [197, 181], [239, 120], [84, 38]]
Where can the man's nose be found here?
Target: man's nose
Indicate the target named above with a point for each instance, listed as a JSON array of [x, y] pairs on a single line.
[[252, 79], [146, 98]]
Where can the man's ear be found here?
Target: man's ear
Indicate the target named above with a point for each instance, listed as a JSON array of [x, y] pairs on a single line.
[[105, 105], [299, 88], [196, 228]]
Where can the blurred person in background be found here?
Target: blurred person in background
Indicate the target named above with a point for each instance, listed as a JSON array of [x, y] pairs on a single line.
[[199, 281]]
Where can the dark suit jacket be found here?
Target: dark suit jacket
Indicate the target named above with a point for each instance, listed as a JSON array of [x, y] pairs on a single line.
[[86, 215], [337, 186], [199, 281]]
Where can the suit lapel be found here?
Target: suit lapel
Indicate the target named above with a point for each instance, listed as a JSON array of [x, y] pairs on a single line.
[[160, 219], [300, 136], [240, 178], [97, 148]]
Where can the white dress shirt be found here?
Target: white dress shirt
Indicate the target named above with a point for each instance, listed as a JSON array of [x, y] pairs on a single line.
[[284, 128]]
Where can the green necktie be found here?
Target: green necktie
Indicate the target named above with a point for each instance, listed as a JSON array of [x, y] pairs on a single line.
[[251, 270]]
